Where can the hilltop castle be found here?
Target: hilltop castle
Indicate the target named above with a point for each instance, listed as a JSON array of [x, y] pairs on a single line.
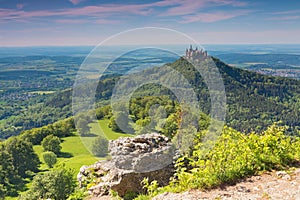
[[195, 54]]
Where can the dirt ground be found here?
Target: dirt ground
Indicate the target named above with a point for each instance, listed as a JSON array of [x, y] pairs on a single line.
[[280, 185]]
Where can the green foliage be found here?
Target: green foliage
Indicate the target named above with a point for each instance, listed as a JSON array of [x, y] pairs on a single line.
[[8, 174], [152, 188], [113, 125], [23, 156], [114, 194], [62, 128], [100, 146], [58, 184], [130, 195], [78, 194], [102, 112], [120, 118], [235, 156], [184, 139], [50, 158], [143, 197], [51, 143], [82, 127]]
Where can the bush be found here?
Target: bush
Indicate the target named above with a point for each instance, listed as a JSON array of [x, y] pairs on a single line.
[[82, 127], [51, 143], [235, 156], [100, 147], [57, 184], [78, 194], [50, 158]]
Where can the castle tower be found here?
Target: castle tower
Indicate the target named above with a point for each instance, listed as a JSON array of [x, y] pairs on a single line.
[[195, 54]]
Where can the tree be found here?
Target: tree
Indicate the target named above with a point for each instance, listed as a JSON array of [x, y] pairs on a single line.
[[82, 127], [7, 172], [23, 156], [113, 125], [57, 184], [184, 139], [100, 146], [103, 112], [120, 123], [50, 158], [51, 143], [171, 125]]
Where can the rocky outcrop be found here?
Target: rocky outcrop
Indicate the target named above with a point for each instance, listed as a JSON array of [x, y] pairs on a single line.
[[132, 159]]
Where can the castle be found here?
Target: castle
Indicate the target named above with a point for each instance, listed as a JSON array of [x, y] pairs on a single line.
[[195, 54]]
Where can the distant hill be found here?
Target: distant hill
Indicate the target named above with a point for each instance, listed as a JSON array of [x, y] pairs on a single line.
[[254, 101]]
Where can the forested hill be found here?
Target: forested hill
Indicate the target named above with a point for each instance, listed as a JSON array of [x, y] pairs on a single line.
[[254, 101]]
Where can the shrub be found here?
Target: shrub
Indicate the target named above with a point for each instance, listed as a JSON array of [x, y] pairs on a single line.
[[57, 184], [83, 128], [51, 143], [235, 156], [50, 158], [100, 146]]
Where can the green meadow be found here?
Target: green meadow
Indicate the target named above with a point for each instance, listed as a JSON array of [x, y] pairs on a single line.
[[76, 150]]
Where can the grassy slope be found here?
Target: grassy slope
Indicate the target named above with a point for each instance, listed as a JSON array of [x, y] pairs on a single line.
[[75, 149]]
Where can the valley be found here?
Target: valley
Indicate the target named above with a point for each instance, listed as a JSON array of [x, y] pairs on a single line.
[[39, 104]]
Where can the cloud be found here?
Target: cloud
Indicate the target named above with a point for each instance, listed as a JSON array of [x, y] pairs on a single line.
[[105, 21], [71, 21], [95, 11], [76, 2], [285, 18], [212, 17], [20, 6], [167, 8], [274, 36], [185, 7], [287, 12]]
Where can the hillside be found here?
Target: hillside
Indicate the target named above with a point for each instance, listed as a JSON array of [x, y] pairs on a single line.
[[254, 101]]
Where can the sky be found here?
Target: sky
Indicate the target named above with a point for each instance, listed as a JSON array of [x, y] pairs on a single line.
[[88, 22]]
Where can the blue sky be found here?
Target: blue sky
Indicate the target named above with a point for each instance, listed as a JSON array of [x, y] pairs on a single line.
[[88, 22]]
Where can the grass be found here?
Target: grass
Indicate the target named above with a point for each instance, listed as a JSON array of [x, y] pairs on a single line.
[[76, 150], [101, 128], [74, 154]]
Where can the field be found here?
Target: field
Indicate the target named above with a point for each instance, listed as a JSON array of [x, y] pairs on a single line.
[[76, 149]]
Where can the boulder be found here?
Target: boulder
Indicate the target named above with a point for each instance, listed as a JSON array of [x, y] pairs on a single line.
[[132, 159]]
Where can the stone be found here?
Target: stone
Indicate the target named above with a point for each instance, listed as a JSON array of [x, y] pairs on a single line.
[[297, 171], [132, 159], [243, 189], [283, 175]]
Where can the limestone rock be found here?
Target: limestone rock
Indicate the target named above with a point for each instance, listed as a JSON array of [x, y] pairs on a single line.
[[132, 159]]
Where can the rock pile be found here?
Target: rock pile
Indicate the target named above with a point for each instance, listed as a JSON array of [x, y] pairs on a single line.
[[143, 153], [132, 159]]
